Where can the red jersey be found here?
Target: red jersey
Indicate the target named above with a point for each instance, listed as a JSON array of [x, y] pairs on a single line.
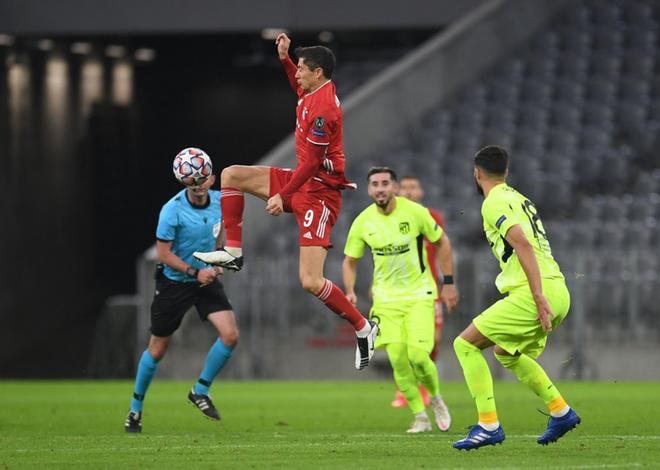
[[430, 247], [319, 123]]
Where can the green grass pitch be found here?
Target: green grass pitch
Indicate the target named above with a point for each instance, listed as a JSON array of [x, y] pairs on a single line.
[[314, 425]]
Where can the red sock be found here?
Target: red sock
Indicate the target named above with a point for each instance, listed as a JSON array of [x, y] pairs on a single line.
[[232, 202], [335, 300]]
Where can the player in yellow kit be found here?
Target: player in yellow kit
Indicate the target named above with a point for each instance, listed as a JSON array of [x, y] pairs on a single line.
[[403, 288], [536, 302]]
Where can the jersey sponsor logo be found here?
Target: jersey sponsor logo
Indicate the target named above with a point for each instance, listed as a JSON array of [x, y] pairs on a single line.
[[308, 235], [500, 221], [319, 133], [391, 250], [404, 227], [319, 122]]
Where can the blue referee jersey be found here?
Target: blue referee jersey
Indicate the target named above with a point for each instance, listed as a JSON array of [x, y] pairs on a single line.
[[189, 228]]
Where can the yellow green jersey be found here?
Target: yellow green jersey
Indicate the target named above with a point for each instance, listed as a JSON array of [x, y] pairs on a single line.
[[396, 241], [502, 209]]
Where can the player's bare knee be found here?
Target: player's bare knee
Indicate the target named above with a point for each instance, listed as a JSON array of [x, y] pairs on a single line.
[[228, 177], [158, 351], [230, 338], [312, 284]]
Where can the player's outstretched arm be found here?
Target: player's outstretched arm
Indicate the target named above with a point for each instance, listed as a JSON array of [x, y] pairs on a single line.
[[349, 276], [525, 252], [445, 255]]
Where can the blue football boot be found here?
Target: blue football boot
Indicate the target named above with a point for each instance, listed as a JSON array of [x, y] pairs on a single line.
[[479, 437], [557, 427]]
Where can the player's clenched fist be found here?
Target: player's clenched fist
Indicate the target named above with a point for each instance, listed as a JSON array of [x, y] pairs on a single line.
[[283, 42], [275, 206], [449, 295]]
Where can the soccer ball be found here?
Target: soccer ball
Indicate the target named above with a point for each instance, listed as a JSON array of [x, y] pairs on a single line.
[[192, 166]]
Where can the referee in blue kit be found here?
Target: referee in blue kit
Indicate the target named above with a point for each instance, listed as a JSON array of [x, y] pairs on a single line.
[[190, 221]]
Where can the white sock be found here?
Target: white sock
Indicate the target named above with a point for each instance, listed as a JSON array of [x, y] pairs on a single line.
[[421, 415], [235, 252], [489, 427], [560, 413], [364, 331]]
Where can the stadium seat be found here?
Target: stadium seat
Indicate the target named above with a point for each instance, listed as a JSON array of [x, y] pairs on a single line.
[[569, 91], [606, 64], [536, 91], [573, 66], [601, 90]]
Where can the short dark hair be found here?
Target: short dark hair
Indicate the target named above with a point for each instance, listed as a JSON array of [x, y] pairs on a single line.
[[410, 177], [318, 56], [381, 169], [493, 159]]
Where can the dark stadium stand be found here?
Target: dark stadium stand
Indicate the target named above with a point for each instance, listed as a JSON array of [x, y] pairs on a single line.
[[579, 109]]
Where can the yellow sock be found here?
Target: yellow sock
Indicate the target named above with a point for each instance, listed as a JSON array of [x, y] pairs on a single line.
[[532, 374], [478, 379]]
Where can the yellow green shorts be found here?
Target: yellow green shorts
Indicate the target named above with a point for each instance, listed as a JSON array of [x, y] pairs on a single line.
[[411, 322], [511, 322]]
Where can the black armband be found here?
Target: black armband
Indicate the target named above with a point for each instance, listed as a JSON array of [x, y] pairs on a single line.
[[449, 279]]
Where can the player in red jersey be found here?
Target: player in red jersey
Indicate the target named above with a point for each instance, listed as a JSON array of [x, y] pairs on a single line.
[[411, 188], [312, 191]]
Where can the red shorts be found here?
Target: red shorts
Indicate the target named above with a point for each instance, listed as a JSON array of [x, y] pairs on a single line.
[[439, 313], [316, 212]]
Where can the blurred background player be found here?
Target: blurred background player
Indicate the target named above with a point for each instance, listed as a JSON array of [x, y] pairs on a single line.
[[403, 288], [537, 301], [411, 188], [312, 191], [190, 221]]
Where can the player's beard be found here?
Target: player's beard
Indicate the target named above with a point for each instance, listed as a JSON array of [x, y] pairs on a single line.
[[384, 203], [479, 188]]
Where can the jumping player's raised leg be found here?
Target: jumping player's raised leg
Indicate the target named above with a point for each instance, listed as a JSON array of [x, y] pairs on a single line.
[[236, 180]]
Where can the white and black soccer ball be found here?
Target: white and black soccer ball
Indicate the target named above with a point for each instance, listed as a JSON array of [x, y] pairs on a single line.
[[192, 166]]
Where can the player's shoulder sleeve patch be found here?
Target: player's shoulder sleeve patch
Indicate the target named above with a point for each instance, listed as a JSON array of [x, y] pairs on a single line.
[[319, 129]]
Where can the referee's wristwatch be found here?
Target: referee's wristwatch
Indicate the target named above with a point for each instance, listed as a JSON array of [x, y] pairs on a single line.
[[192, 272], [448, 279]]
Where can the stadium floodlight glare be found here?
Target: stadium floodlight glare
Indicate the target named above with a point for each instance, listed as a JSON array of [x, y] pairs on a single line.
[[45, 45], [270, 34], [144, 54], [6, 40], [115, 51], [80, 47]]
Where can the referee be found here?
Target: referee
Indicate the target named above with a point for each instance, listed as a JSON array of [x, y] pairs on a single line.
[[190, 221]]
